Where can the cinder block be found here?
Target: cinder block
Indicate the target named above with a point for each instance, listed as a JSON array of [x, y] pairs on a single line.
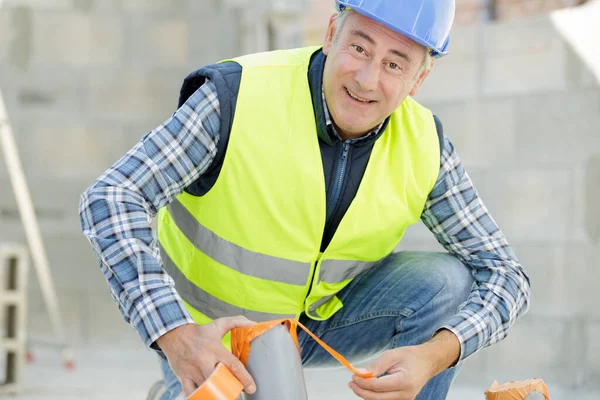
[[71, 303], [14, 266], [7, 197], [547, 125], [451, 80], [54, 5], [514, 53], [42, 94], [87, 148], [287, 31], [583, 269], [97, 7], [585, 226], [552, 279], [133, 95], [76, 39], [16, 37], [168, 6], [58, 214], [593, 355], [455, 119], [578, 103], [158, 41], [515, 9], [521, 74], [106, 327], [225, 45], [456, 77], [531, 204], [532, 36], [487, 133], [56, 207], [6, 33], [74, 265], [591, 191]]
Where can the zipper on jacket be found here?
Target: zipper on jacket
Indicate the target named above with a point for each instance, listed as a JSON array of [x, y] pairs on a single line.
[[334, 198], [340, 174]]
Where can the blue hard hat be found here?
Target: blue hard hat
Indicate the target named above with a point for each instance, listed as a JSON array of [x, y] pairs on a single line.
[[427, 22]]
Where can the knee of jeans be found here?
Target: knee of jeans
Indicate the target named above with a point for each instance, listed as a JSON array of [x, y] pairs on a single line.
[[457, 281]]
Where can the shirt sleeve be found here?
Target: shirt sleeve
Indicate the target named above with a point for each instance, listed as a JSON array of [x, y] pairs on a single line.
[[117, 210], [461, 223]]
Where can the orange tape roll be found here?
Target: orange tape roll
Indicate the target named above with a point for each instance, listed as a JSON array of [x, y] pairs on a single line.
[[220, 385]]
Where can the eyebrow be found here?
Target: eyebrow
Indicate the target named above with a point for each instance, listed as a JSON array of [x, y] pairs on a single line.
[[359, 33]]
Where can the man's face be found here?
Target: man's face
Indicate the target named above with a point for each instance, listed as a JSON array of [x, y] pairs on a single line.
[[370, 69]]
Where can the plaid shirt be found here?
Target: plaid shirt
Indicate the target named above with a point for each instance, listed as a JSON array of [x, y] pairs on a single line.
[[117, 210]]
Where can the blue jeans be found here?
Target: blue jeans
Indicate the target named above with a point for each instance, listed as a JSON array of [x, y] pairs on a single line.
[[400, 302]]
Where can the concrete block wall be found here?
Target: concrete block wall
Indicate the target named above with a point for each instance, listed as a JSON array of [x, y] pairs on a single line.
[[522, 111]]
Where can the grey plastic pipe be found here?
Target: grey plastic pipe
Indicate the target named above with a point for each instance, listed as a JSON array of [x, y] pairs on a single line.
[[276, 367]]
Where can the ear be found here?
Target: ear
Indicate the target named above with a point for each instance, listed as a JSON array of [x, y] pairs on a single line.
[[420, 80], [330, 34]]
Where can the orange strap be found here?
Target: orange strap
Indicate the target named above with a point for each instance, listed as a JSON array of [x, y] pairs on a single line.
[[242, 337], [335, 354]]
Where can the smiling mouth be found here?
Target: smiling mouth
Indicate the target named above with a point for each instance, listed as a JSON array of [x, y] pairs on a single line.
[[360, 99]]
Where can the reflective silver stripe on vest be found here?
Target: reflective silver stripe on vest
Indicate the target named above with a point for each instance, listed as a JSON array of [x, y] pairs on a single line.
[[335, 271], [233, 256], [206, 303]]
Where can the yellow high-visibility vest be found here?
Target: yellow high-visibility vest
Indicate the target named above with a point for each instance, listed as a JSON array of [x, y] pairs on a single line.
[[251, 245]]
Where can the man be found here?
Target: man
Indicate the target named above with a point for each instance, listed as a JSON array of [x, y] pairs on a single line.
[[282, 185]]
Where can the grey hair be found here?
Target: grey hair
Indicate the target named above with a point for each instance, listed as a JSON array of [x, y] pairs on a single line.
[[340, 20]]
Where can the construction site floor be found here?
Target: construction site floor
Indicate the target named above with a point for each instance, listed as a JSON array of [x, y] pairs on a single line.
[[128, 374]]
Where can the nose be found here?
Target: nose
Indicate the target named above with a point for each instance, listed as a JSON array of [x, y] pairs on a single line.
[[368, 76]]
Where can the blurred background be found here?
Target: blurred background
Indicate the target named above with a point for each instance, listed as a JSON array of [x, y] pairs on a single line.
[[519, 96]]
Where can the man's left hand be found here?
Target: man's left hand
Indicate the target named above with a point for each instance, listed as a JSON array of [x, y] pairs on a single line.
[[409, 372], [409, 368]]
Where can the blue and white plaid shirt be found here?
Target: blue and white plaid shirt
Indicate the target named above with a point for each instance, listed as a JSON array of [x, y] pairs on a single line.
[[117, 210]]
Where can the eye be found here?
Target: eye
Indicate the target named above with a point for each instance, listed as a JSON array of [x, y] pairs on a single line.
[[395, 66], [359, 49]]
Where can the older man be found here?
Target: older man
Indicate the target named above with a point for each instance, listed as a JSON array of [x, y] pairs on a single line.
[[282, 185]]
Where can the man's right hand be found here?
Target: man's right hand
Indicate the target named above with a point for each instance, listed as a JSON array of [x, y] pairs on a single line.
[[194, 351]]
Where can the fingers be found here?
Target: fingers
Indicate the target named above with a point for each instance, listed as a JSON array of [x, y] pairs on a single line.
[[188, 386], [371, 395], [228, 323], [237, 368], [384, 363], [387, 383]]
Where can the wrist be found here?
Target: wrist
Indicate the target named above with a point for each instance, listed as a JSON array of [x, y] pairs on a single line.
[[164, 341], [443, 351]]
